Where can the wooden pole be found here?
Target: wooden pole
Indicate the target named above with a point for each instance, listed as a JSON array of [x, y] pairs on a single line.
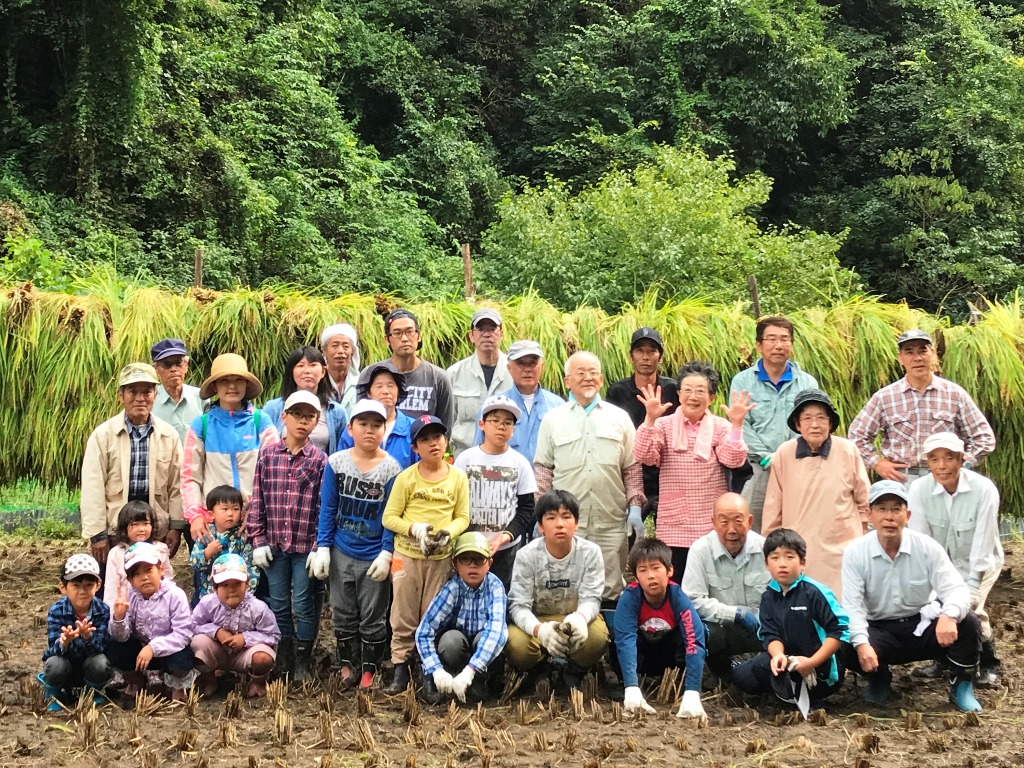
[[467, 272], [755, 300], [197, 270]]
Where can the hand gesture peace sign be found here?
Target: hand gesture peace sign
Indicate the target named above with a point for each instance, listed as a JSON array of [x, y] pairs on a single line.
[[121, 603]]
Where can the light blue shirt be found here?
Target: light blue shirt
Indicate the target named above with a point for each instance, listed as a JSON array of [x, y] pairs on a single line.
[[524, 438]]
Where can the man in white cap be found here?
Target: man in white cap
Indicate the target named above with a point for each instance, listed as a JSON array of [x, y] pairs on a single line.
[[340, 344], [960, 509], [918, 405], [906, 602], [525, 362], [474, 378], [132, 457]]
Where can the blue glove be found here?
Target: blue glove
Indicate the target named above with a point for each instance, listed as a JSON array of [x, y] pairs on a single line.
[[635, 522], [747, 619]]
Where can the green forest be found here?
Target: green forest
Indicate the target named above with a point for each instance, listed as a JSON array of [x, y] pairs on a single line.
[[594, 150]]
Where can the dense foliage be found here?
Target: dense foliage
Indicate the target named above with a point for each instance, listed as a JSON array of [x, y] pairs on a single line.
[[352, 144]]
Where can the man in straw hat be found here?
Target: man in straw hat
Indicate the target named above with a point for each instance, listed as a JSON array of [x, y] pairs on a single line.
[[132, 457], [918, 405], [818, 487], [340, 344], [960, 510], [222, 445]]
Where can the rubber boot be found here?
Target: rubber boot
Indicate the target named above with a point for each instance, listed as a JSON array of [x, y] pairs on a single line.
[[989, 665], [284, 667], [371, 654], [348, 659], [933, 670], [572, 676], [401, 679], [51, 695], [961, 693], [303, 660], [97, 692], [257, 687], [430, 694], [878, 689]]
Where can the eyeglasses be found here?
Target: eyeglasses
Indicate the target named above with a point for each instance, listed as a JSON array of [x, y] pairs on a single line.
[[593, 373], [403, 333], [303, 417], [503, 423], [777, 340], [487, 331], [177, 362], [815, 419], [699, 391]]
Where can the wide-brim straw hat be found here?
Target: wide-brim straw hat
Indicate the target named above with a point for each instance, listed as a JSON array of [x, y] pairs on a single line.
[[230, 365]]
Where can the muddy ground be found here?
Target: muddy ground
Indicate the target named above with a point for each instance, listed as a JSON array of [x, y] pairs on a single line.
[[316, 726]]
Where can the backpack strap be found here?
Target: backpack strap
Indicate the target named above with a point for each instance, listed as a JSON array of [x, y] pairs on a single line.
[[206, 421]]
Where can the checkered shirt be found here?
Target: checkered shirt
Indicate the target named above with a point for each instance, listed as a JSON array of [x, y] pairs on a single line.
[[688, 485], [906, 418], [138, 473], [285, 507], [61, 615], [472, 612]]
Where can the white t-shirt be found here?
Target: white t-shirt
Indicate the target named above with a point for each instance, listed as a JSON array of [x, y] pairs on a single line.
[[495, 483]]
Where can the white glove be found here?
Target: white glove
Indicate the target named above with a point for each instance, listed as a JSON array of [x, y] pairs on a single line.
[[553, 641], [380, 567], [261, 557], [691, 706], [810, 677], [462, 681], [575, 627], [443, 680], [421, 533], [635, 523], [635, 700], [318, 564]]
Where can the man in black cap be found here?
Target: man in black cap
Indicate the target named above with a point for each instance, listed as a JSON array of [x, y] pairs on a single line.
[[645, 352], [177, 403], [913, 409], [428, 389]]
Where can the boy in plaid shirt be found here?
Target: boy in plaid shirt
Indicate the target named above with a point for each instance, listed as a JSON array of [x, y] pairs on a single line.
[[464, 630], [282, 522], [76, 635]]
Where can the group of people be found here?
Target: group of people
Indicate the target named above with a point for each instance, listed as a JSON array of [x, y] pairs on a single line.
[[473, 521]]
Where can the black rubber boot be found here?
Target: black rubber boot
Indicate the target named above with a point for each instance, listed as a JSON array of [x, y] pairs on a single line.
[[303, 660], [989, 666], [371, 654], [348, 659], [284, 667], [430, 694], [401, 679]]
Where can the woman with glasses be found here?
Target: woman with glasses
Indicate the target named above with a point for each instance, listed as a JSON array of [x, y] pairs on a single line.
[[818, 487], [692, 449], [306, 370]]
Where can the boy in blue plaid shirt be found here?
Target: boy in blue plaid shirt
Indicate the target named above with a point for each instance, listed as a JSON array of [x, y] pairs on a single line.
[[463, 631], [76, 635]]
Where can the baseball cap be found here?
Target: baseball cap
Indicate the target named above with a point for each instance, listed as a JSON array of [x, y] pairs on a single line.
[[168, 348], [398, 314], [229, 567], [946, 440], [501, 403], [141, 552], [302, 397], [422, 422], [135, 373], [80, 565], [647, 334], [887, 488], [915, 334], [524, 348], [472, 541], [366, 406], [486, 313]]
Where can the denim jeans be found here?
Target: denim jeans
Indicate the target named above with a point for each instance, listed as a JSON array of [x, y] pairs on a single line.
[[291, 589]]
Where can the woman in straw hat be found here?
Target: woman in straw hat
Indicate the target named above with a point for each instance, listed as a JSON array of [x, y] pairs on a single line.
[[222, 445]]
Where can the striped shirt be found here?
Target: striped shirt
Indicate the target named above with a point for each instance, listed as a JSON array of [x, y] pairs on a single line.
[[472, 612], [285, 505], [138, 472], [906, 418]]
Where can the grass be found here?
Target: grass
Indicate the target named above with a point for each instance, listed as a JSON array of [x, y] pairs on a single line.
[[30, 508]]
